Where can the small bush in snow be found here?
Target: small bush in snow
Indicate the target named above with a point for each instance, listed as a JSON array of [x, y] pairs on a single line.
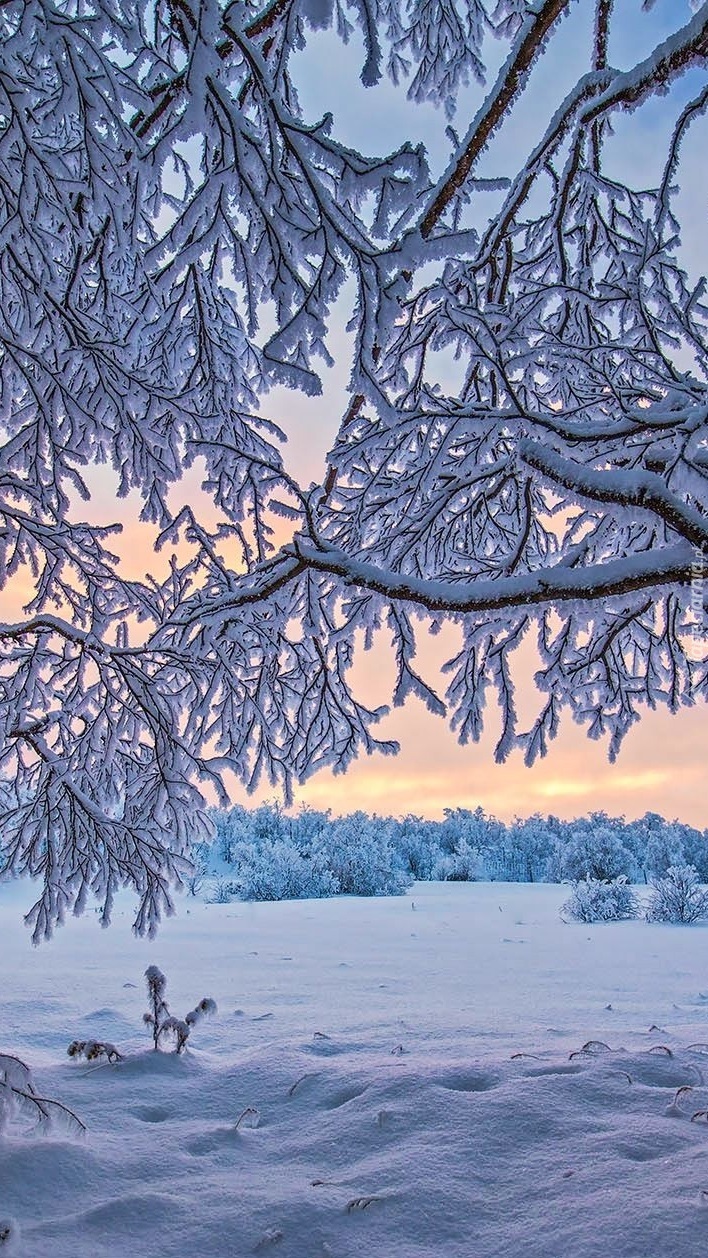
[[464, 864], [677, 897], [593, 900], [159, 1018], [93, 1050], [274, 869], [224, 891]]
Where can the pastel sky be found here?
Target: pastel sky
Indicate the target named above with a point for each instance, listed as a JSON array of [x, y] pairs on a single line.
[[662, 765]]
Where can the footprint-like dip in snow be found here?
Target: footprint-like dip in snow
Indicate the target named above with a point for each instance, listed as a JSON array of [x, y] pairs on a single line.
[[152, 1113], [535, 1072], [468, 1082], [343, 1096], [231, 1137], [129, 1212]]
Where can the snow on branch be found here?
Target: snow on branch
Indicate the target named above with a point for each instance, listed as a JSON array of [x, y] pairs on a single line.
[[524, 451], [511, 79], [555, 584]]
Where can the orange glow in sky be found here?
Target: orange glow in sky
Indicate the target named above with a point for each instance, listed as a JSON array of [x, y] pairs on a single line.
[[661, 767]]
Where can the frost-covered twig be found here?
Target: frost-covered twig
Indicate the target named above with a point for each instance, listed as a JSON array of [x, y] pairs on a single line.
[[19, 1098]]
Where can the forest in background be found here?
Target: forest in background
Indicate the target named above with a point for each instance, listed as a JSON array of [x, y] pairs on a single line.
[[268, 854]]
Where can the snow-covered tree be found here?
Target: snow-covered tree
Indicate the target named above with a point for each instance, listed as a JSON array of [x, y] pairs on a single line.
[[526, 849], [360, 853], [417, 842], [175, 233], [655, 844], [694, 847], [593, 849]]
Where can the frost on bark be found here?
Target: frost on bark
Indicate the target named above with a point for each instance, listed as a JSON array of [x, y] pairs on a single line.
[[174, 236]]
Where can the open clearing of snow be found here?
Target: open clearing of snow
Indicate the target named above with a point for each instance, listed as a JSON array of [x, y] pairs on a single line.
[[378, 1040]]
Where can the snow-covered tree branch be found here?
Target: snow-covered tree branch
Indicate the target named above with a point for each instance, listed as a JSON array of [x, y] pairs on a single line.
[[175, 235]]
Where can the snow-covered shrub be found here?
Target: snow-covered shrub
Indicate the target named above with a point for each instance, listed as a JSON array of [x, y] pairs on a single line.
[[277, 870], [359, 852], [93, 1050], [593, 900], [418, 846], [464, 864], [19, 1099], [224, 891], [677, 897], [159, 1018]]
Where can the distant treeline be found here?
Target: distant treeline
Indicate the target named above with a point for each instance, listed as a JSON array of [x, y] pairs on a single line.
[[266, 854]]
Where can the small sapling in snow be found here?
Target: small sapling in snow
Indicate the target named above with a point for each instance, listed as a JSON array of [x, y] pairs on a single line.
[[674, 1110], [159, 1018]]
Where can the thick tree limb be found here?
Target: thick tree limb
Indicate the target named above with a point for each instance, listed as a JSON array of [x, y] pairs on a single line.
[[627, 488], [549, 586]]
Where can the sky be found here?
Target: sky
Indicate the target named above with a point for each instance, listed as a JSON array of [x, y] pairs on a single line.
[[662, 765]]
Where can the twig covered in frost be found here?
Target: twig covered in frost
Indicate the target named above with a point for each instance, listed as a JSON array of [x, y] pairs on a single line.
[[249, 1118], [272, 1236], [673, 1110], [590, 1048], [310, 1074], [19, 1098], [361, 1203]]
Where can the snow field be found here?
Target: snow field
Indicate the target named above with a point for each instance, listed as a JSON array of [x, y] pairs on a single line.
[[378, 1041]]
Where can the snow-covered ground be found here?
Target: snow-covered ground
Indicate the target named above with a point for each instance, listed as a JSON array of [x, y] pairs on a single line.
[[410, 1062]]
